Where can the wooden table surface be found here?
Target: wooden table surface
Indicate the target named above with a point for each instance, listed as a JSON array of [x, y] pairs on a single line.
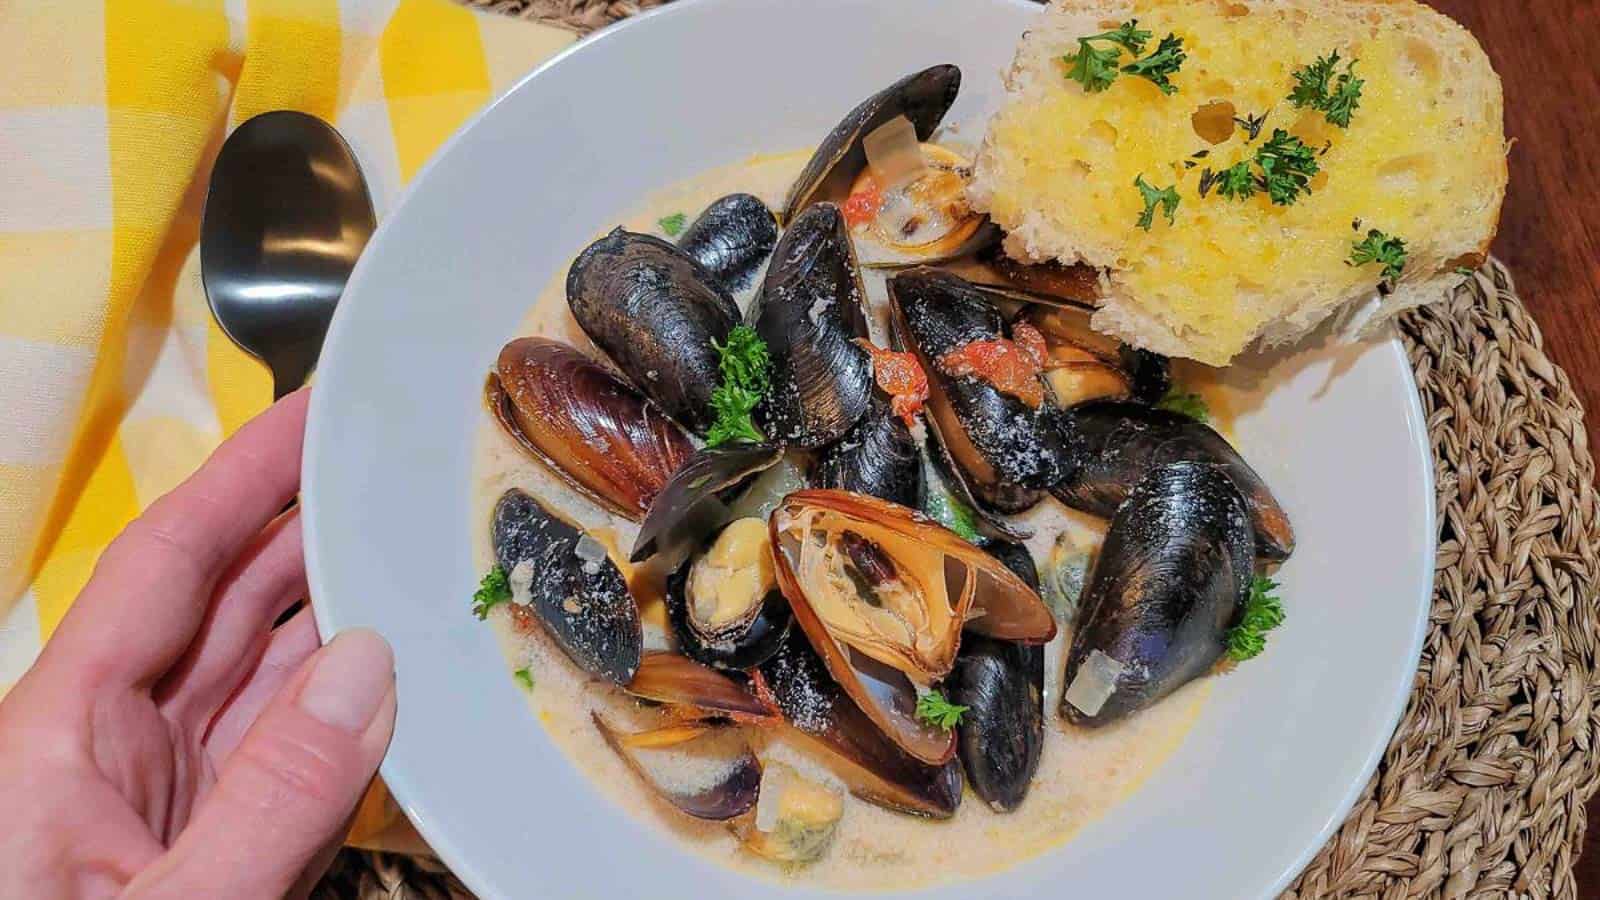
[[1550, 228]]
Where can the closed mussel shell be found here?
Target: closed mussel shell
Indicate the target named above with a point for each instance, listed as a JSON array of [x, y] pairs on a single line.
[[732, 239], [877, 457]]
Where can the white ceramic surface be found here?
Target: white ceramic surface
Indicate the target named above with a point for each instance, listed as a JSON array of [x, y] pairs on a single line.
[[1284, 743]]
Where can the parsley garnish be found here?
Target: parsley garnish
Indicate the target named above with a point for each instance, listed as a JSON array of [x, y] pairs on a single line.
[[1336, 102], [938, 711], [524, 678], [745, 367], [1092, 68], [945, 509], [672, 224], [1465, 270], [1262, 612], [1096, 68], [1186, 403], [1380, 248], [1237, 182], [1165, 61], [492, 591], [1167, 198], [1287, 165]]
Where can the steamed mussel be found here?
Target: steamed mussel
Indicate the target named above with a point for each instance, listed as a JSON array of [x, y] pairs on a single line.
[[569, 586], [732, 239], [586, 423], [657, 313], [1172, 577], [877, 457], [1082, 364], [724, 605]]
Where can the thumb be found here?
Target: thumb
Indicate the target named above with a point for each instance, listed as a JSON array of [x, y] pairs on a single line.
[[289, 788]]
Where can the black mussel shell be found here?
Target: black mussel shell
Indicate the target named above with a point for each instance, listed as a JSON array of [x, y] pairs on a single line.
[[1117, 443], [1005, 451], [1172, 577], [655, 312], [584, 605], [999, 740], [732, 239], [1017, 559], [745, 644], [923, 97], [690, 505], [875, 769], [941, 474], [734, 794], [1152, 373], [877, 457], [810, 314]]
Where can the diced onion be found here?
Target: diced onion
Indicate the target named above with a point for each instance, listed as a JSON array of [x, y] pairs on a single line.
[[894, 154], [1094, 683]]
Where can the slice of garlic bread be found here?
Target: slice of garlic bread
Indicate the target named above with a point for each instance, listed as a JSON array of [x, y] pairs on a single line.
[[1064, 168]]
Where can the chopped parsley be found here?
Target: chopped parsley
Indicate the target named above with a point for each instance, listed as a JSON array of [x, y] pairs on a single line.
[[524, 678], [1390, 252], [492, 591], [945, 509], [1465, 270], [1263, 611], [935, 709], [1237, 182], [1156, 67], [1167, 198], [1097, 67], [1186, 403], [1317, 87], [745, 368], [672, 224], [1287, 165]]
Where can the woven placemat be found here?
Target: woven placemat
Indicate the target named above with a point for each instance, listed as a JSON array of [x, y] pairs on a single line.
[[1481, 791]]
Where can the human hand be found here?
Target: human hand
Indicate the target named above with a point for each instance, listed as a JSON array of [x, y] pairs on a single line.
[[169, 742]]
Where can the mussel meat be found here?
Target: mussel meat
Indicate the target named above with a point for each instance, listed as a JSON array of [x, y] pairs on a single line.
[[732, 239], [691, 505], [794, 819], [724, 605], [1005, 450], [655, 312], [591, 427], [1117, 443], [579, 597], [883, 593], [810, 315], [875, 768], [1082, 365], [877, 457], [1172, 577]]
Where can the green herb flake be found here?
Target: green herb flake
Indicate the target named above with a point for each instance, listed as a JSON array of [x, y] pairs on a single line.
[[1237, 182], [945, 509], [1317, 87], [1263, 611], [1465, 271], [938, 711], [524, 678], [1287, 165], [492, 591], [746, 371], [1161, 64], [672, 225], [1167, 198], [1186, 403], [1096, 68], [1377, 247]]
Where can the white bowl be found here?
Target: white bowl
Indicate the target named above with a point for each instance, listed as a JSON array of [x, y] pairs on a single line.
[[1282, 747]]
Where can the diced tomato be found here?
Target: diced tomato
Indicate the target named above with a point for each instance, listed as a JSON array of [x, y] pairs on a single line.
[[1011, 367], [901, 377], [862, 206]]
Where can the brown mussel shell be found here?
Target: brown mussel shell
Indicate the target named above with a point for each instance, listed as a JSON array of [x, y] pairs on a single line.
[[1005, 451], [1172, 577], [810, 314], [584, 605], [680, 681], [875, 769], [732, 795], [588, 425], [742, 644], [732, 239], [1117, 443], [878, 457], [923, 97], [878, 650], [690, 504], [655, 312]]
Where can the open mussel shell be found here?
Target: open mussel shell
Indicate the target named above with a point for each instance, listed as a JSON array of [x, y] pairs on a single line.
[[582, 602], [1116, 444], [732, 239], [731, 795], [877, 457], [588, 425], [680, 681], [1001, 683], [1172, 577], [810, 314], [922, 97], [1076, 285], [872, 766], [882, 593], [1005, 451], [724, 605], [655, 312], [689, 506]]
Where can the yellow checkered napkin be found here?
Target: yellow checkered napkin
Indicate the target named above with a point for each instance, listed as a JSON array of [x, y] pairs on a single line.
[[114, 381]]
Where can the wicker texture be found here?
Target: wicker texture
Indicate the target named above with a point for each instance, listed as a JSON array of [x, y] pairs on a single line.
[[1481, 791]]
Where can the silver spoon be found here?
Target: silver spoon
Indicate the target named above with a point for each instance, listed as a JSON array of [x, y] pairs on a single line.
[[286, 216]]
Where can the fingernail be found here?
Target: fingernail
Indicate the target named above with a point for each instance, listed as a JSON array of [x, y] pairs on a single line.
[[351, 678]]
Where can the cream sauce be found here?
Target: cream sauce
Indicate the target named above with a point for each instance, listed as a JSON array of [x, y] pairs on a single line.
[[1082, 774]]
